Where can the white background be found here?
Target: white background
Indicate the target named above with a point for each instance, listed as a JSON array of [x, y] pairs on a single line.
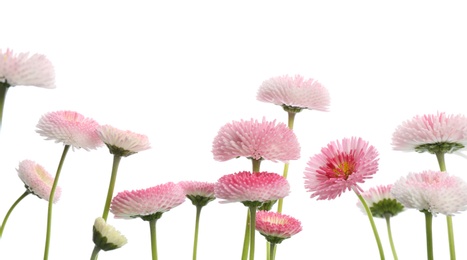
[[178, 72]]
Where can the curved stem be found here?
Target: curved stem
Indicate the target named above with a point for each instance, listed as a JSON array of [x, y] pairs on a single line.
[[51, 199], [27, 192], [388, 225], [252, 231], [3, 91], [152, 226], [95, 253], [373, 226], [113, 178], [246, 239], [429, 235], [195, 244]]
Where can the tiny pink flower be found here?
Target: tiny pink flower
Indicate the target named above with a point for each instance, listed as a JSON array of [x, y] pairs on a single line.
[[200, 193], [255, 187], [294, 92], [381, 202], [256, 140], [433, 191], [37, 180], [438, 133], [69, 128], [122, 142], [26, 70], [276, 226], [146, 202], [340, 166]]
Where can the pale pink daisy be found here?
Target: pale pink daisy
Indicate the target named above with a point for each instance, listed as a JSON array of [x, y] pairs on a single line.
[[70, 128], [381, 202], [27, 70], [106, 237], [256, 140], [294, 93], [146, 202], [339, 167], [123, 142], [251, 187], [276, 227], [434, 133], [432, 191], [37, 180], [200, 193]]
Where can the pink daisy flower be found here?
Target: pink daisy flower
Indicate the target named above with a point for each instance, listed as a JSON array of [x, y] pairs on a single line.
[[276, 227], [433, 133], [37, 180], [381, 202], [256, 140], [69, 128], [433, 191], [27, 70], [200, 193], [340, 166], [147, 202], [121, 142], [252, 187], [294, 93]]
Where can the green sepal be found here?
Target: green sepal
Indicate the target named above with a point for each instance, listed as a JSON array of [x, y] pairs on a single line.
[[154, 216], [440, 147], [385, 207], [101, 241], [292, 109], [267, 205], [252, 203], [199, 200], [273, 239], [119, 151]]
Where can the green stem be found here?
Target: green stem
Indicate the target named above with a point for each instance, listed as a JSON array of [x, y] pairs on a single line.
[[272, 251], [3, 91], [246, 239], [429, 235], [27, 192], [388, 225], [291, 119], [256, 165], [110, 190], [51, 199], [95, 253], [195, 244], [452, 250], [268, 250], [373, 226], [284, 174], [152, 226], [252, 231]]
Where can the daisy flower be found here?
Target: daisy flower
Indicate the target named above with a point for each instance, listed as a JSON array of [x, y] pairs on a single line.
[[70, 128], [106, 237], [294, 93], [433, 191], [381, 202], [25, 69], [433, 133], [276, 227], [37, 180], [251, 187], [339, 167], [123, 143], [256, 140]]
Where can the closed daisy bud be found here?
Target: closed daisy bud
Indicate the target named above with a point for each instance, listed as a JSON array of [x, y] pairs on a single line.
[[106, 237]]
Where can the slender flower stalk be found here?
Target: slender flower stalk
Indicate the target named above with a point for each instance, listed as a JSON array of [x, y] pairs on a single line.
[[27, 192], [373, 226], [429, 234], [387, 217], [110, 190]]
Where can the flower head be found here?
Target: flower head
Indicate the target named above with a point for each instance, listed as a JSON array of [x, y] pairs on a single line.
[[23, 69], [294, 93], [438, 133], [276, 226], [381, 202], [69, 128], [106, 237], [256, 140], [251, 187], [432, 191], [200, 193], [121, 142], [147, 202], [37, 180], [340, 166]]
